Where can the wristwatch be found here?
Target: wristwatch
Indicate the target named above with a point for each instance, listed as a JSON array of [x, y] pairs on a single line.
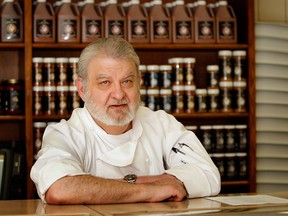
[[130, 178]]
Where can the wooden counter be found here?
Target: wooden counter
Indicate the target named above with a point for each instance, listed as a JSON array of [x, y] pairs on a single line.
[[187, 207]]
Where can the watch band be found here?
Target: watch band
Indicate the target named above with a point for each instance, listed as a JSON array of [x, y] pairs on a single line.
[[130, 178]]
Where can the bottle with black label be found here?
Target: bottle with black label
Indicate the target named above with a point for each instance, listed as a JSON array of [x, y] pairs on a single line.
[[115, 20], [182, 23], [11, 21], [44, 22], [137, 23], [204, 23], [160, 23], [226, 23], [68, 22], [91, 22]]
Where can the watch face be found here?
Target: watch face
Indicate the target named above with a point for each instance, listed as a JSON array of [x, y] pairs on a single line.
[[130, 178]]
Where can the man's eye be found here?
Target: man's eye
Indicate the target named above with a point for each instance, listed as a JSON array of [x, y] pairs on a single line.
[[104, 83], [127, 82]]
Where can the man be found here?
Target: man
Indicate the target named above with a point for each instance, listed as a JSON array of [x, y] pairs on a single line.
[[115, 151]]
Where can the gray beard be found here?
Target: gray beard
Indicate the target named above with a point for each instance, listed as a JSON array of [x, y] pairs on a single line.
[[104, 117]]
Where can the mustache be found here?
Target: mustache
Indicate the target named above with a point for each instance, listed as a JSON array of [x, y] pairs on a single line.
[[119, 102]]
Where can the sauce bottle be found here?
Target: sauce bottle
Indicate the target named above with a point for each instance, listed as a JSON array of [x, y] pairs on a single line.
[[182, 22], [44, 22], [91, 21], [11, 22], [115, 21], [204, 23], [68, 22], [226, 23], [160, 23], [137, 23]]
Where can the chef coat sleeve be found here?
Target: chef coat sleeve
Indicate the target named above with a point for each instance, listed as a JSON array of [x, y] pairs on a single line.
[[187, 159], [57, 158]]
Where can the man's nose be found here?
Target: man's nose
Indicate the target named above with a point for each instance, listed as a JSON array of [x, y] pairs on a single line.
[[118, 91]]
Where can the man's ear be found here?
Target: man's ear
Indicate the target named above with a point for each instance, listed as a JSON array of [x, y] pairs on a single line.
[[80, 88]]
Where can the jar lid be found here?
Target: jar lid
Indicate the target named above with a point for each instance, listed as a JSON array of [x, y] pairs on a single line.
[[73, 60], [72, 88], [165, 67], [201, 91], [49, 60], [232, 154], [189, 87], [239, 53], [142, 67], [218, 155], [37, 60], [191, 127], [241, 126], [178, 87], [62, 60], [239, 84], [201, 2], [14, 81], [217, 127], [49, 88], [166, 91], [213, 91], [189, 60], [225, 83], [241, 154], [152, 67], [205, 127], [222, 3], [229, 126], [38, 88], [213, 68], [225, 53], [62, 88], [39, 124], [152, 91], [176, 60], [143, 91]]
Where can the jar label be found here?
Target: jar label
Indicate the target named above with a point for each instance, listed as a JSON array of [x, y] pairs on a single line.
[[205, 30], [68, 29], [139, 29], [116, 28], [161, 29], [226, 30], [183, 30], [44, 28], [93, 28], [11, 29]]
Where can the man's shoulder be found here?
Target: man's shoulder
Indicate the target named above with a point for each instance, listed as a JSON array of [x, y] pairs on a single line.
[[145, 113]]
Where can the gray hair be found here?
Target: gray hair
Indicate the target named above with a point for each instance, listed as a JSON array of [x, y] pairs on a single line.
[[107, 47]]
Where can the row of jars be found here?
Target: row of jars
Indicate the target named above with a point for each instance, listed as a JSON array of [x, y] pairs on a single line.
[[12, 101], [54, 71], [227, 146]]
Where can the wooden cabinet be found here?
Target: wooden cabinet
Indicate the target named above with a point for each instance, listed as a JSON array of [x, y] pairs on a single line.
[[16, 62]]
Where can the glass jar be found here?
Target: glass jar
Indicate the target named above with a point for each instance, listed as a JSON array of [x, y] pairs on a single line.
[[38, 99], [218, 159], [239, 57], [177, 70], [201, 100], [49, 71], [230, 166], [62, 93], [189, 69], [165, 78], [165, 100], [218, 138], [152, 76], [190, 98], [38, 131], [226, 88], [225, 66], [206, 137], [15, 102], [62, 71], [37, 71], [213, 99], [178, 98], [142, 72], [242, 165], [212, 71], [73, 70], [75, 98], [50, 100], [240, 96], [241, 137], [230, 138], [153, 99]]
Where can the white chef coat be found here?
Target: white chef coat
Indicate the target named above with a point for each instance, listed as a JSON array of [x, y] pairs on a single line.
[[156, 144]]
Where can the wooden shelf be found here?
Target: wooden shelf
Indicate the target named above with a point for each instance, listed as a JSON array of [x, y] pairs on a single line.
[[149, 54]]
